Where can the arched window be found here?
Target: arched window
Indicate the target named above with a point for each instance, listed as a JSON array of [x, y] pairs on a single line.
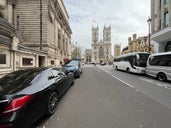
[[168, 46], [101, 52]]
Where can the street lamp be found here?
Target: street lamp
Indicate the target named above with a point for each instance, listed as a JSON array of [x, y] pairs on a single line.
[[149, 23], [76, 50]]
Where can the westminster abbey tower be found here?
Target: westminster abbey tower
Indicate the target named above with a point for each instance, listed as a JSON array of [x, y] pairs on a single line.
[[101, 49]]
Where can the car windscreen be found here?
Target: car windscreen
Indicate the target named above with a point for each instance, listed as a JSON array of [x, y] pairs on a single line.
[[72, 63]]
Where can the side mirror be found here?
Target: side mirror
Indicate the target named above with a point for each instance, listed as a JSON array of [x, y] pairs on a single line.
[[67, 72]]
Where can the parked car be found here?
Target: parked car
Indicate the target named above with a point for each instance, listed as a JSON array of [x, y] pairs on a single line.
[[159, 66], [102, 63], [75, 67], [27, 95]]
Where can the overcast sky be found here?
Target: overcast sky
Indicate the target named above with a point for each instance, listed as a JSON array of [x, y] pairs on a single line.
[[126, 17]]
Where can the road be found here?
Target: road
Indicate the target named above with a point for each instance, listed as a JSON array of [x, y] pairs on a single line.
[[105, 98]]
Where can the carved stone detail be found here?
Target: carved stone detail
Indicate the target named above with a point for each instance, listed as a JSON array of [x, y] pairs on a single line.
[[11, 2]]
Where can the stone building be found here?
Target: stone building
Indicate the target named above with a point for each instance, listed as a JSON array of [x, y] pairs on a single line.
[[161, 24], [101, 49], [117, 50], [88, 56], [140, 44], [29, 39]]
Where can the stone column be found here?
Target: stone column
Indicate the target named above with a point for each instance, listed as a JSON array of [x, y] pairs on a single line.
[[10, 4], [169, 10], [56, 26], [61, 41], [162, 14]]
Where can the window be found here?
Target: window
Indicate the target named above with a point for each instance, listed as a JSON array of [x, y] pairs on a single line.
[[163, 60], [55, 72], [2, 58], [101, 51], [166, 2], [168, 47], [27, 61], [52, 62], [166, 18]]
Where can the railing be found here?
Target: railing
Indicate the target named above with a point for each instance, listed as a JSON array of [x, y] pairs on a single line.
[[5, 40], [6, 28]]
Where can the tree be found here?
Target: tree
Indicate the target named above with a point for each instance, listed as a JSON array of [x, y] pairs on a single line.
[[76, 53]]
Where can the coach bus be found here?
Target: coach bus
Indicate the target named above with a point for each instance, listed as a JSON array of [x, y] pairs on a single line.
[[132, 62], [159, 66]]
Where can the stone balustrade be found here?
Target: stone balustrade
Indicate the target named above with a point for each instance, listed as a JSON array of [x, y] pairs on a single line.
[[7, 29]]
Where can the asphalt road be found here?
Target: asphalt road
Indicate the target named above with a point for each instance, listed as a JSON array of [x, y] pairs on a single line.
[[104, 98]]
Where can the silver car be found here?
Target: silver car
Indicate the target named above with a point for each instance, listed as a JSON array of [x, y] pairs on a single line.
[[159, 66]]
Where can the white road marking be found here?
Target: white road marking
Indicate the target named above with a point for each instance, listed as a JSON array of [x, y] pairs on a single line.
[[158, 83], [123, 81], [116, 77], [97, 69]]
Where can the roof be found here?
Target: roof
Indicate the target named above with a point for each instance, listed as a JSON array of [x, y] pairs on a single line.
[[162, 53]]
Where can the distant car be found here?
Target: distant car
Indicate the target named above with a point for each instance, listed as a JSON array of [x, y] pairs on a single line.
[[103, 63], [27, 95], [75, 67]]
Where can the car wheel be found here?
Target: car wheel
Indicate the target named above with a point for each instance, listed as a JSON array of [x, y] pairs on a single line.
[[79, 75], [73, 81], [52, 103], [128, 70], [161, 77]]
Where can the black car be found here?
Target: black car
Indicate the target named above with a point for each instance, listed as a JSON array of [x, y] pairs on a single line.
[[27, 95], [75, 67]]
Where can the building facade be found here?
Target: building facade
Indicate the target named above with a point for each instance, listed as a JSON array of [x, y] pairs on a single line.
[[101, 49], [161, 24], [140, 44], [117, 50], [88, 56], [33, 34]]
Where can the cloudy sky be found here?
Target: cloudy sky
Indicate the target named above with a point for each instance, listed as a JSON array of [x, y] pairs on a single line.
[[126, 17]]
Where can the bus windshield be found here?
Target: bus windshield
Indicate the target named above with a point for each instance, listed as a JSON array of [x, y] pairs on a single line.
[[143, 56], [142, 59]]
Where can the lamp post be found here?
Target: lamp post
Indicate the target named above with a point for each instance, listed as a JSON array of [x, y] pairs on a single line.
[[149, 23], [76, 50]]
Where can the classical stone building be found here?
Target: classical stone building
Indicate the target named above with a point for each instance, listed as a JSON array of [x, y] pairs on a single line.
[[101, 49], [88, 55], [33, 34], [161, 24], [140, 44], [117, 50]]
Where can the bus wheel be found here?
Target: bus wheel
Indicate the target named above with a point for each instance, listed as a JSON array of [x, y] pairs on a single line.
[[161, 76], [128, 70]]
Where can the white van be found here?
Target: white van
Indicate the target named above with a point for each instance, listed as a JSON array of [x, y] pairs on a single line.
[[159, 66]]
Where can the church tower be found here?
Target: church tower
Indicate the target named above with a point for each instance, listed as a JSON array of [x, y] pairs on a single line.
[[95, 39], [107, 34], [95, 35]]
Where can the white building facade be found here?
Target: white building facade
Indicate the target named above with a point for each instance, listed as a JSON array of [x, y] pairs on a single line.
[[161, 24]]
